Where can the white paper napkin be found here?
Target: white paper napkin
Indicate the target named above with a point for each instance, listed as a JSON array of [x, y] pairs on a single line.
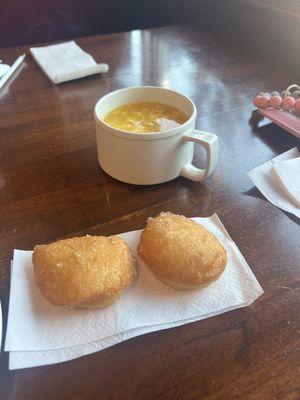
[[66, 61], [267, 183], [39, 334], [287, 174]]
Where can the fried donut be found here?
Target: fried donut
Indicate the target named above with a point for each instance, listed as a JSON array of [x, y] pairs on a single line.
[[89, 271], [180, 252]]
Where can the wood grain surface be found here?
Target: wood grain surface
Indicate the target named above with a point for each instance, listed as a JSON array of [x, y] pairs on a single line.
[[51, 186]]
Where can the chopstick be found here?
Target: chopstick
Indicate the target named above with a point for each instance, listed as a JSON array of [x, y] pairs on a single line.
[[13, 68]]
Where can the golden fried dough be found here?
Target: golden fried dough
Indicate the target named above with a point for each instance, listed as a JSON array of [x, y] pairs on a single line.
[[180, 252], [90, 271]]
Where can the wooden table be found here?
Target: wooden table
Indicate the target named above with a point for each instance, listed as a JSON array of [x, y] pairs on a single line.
[[51, 186]]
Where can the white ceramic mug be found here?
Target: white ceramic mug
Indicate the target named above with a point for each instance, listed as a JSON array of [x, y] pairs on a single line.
[[151, 158]]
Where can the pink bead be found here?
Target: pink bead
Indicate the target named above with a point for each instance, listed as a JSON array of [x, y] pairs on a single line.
[[261, 101], [276, 101], [288, 103], [297, 105]]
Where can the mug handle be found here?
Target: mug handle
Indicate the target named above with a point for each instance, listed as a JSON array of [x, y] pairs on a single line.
[[211, 144]]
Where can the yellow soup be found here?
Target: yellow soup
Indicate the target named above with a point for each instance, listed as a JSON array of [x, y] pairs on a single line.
[[145, 117]]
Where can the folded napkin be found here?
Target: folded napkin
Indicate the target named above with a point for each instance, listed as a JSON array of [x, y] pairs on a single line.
[[40, 334], [278, 180], [66, 61], [287, 174]]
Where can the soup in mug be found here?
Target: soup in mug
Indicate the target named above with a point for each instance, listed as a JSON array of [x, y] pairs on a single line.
[[145, 117]]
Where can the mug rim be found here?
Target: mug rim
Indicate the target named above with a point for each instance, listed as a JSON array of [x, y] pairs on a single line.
[[149, 135]]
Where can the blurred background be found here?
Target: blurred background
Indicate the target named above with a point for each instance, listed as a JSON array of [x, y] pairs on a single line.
[[273, 25]]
